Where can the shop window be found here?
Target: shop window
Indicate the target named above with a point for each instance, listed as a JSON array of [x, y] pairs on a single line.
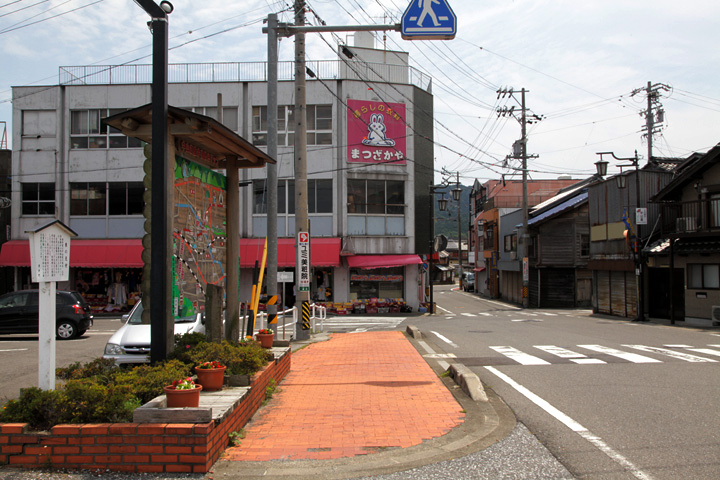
[[318, 124], [377, 283], [87, 131], [376, 207], [38, 199], [703, 276]]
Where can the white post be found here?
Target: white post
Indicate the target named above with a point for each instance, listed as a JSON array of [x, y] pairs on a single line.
[[46, 338]]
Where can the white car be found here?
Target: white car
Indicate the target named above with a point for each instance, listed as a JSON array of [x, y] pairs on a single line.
[[131, 343]]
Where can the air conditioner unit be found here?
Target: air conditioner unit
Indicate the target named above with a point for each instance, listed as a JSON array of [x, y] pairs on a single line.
[[716, 313], [685, 224], [513, 255]]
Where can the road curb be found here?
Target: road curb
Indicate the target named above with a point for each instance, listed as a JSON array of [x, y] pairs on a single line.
[[468, 382]]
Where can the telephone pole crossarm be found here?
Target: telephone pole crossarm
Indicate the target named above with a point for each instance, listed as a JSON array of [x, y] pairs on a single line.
[[288, 29]]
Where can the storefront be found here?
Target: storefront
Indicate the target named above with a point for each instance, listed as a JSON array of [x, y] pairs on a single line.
[[106, 272], [379, 283], [324, 259]]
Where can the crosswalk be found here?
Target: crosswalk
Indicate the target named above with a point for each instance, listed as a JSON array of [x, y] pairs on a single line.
[[340, 324], [591, 354]]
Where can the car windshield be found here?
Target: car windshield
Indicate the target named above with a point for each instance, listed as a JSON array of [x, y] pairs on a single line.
[[136, 316]]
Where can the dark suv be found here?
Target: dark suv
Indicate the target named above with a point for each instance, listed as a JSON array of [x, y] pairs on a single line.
[[19, 313]]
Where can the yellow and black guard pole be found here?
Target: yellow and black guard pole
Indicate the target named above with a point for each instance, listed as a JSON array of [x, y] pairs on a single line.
[[305, 315]]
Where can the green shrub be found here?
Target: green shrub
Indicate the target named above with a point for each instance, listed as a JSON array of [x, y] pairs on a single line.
[[101, 392], [148, 381], [101, 369], [37, 407], [243, 359]]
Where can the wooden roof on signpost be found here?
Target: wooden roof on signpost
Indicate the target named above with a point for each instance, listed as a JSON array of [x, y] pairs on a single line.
[[194, 129]]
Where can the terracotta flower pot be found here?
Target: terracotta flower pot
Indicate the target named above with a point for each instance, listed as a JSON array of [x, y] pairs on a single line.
[[182, 398], [266, 339], [211, 379]]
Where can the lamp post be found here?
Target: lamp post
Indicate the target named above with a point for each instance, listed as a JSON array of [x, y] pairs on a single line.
[[160, 308], [456, 192], [442, 205], [621, 179]]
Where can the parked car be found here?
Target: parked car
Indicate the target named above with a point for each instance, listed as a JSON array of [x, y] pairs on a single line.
[[20, 313], [468, 282], [131, 343]]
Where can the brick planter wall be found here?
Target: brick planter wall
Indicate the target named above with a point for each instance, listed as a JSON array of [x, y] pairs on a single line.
[[135, 447]]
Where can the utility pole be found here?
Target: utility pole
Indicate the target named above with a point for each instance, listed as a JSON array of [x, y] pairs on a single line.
[[654, 114], [301, 191], [298, 30], [272, 180], [523, 156], [524, 236]]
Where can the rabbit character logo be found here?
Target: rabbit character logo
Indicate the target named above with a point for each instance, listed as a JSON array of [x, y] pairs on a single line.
[[376, 132]]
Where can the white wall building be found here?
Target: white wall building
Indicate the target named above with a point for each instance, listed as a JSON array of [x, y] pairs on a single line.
[[370, 162]]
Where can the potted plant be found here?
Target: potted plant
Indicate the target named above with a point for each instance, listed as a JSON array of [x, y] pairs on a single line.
[[265, 337], [210, 375], [183, 393]]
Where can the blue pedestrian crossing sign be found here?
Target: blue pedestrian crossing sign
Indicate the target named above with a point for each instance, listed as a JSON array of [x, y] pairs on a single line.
[[428, 20]]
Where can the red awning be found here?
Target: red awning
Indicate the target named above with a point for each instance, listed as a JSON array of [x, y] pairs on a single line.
[[479, 269], [98, 253], [382, 261], [324, 252]]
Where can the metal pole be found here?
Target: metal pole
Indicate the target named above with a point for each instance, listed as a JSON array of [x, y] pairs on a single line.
[[272, 180], [457, 185], [161, 314], [638, 250], [649, 122], [524, 236], [301, 193], [432, 248]]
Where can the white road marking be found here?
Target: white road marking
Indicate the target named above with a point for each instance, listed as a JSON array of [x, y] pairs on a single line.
[[630, 357], [672, 353], [573, 425], [443, 309], [470, 314], [520, 357], [426, 347], [677, 346], [485, 314], [574, 357], [14, 350], [444, 339], [706, 351], [548, 314], [440, 355]]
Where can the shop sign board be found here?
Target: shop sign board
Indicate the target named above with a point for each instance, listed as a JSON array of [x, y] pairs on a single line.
[[376, 132], [303, 261]]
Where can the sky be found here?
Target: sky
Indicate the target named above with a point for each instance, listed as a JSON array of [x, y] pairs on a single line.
[[579, 62]]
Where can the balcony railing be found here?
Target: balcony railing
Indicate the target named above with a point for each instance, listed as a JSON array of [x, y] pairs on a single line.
[[243, 72], [685, 218]]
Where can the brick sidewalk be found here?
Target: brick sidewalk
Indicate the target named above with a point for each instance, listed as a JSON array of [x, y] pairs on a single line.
[[352, 395]]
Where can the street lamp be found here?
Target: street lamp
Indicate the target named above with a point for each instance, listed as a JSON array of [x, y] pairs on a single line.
[[442, 205], [637, 255], [160, 311]]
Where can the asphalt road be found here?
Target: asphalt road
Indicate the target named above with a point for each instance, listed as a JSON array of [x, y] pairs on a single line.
[[611, 399], [19, 354]]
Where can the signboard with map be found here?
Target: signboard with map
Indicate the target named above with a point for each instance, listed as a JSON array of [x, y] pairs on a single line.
[[199, 235]]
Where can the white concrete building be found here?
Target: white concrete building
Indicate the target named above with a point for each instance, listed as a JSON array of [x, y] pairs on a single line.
[[370, 162]]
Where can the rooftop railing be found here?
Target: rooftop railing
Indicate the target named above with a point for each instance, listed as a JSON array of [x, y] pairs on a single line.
[[243, 72]]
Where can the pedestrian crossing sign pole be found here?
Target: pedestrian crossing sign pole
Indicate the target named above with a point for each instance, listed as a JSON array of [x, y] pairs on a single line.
[[428, 20]]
